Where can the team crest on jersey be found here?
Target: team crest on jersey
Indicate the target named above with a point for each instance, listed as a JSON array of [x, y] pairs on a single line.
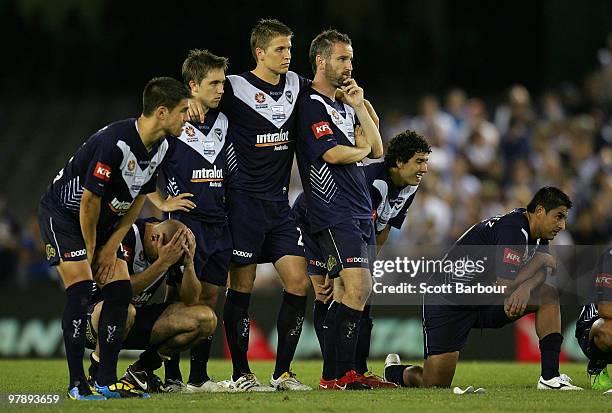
[[131, 165], [50, 251], [336, 117], [218, 133], [190, 131], [260, 97], [331, 262], [289, 96]]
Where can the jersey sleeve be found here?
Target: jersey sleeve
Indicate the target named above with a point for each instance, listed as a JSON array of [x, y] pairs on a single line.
[[127, 247], [304, 83], [398, 220], [603, 277], [105, 161], [315, 128], [509, 251], [225, 105]]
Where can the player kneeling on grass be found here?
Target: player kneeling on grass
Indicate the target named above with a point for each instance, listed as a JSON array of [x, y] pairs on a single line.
[[157, 253], [594, 326], [517, 245]]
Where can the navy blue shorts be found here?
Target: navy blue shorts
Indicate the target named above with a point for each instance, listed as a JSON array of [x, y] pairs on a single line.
[[446, 327], [349, 244], [213, 249], [262, 231], [63, 238], [314, 257], [139, 336]]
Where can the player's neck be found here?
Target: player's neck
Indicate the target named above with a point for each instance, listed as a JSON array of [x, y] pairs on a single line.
[[149, 131], [266, 75], [395, 177], [532, 227], [324, 88]]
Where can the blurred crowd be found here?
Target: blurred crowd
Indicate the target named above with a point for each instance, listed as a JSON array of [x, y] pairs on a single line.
[[487, 158]]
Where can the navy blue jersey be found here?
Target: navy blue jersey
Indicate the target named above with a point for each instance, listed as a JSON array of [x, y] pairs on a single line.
[[502, 243], [390, 202], [601, 291], [333, 192], [114, 164], [262, 129], [198, 162]]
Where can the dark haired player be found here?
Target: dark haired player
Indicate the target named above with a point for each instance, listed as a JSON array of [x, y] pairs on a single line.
[[393, 185], [331, 149], [594, 326], [517, 245], [86, 212], [195, 174]]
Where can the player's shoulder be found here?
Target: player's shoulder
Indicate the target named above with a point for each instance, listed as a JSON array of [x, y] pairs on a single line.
[[117, 129], [514, 219]]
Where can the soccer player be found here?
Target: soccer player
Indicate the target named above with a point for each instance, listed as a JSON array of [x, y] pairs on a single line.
[[331, 149], [195, 172], [157, 253], [86, 212], [260, 106], [514, 248], [594, 326], [393, 185]]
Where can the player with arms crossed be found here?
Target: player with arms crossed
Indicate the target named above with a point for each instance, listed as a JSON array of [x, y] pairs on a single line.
[[195, 172], [393, 185], [517, 245], [86, 212], [594, 326], [157, 254], [331, 149], [260, 106]]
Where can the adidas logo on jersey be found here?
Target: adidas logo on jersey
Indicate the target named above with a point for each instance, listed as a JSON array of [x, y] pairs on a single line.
[[270, 139]]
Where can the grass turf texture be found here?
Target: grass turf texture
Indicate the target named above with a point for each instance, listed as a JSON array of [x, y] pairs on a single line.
[[511, 387]]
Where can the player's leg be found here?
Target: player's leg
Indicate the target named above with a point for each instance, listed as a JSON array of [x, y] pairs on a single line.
[[320, 306], [247, 225], [199, 380], [405, 375], [292, 271], [548, 329], [439, 369], [61, 238], [116, 294], [599, 352], [94, 319]]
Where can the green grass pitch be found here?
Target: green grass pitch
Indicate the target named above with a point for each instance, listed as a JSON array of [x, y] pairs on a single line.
[[510, 388]]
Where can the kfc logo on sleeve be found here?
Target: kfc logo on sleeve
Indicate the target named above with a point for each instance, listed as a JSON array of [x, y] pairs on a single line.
[[512, 257], [102, 171], [321, 129]]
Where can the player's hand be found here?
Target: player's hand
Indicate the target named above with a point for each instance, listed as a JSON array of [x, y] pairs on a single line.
[[516, 303], [360, 138], [325, 291], [103, 267], [189, 248], [195, 111], [353, 94], [171, 252], [340, 96], [178, 203]]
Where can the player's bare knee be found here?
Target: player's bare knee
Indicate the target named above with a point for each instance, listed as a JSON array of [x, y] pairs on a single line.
[[205, 318], [298, 285], [601, 331], [413, 376], [548, 294]]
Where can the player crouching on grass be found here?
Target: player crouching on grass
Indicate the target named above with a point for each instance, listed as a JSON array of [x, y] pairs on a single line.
[[521, 261], [157, 253], [594, 326]]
